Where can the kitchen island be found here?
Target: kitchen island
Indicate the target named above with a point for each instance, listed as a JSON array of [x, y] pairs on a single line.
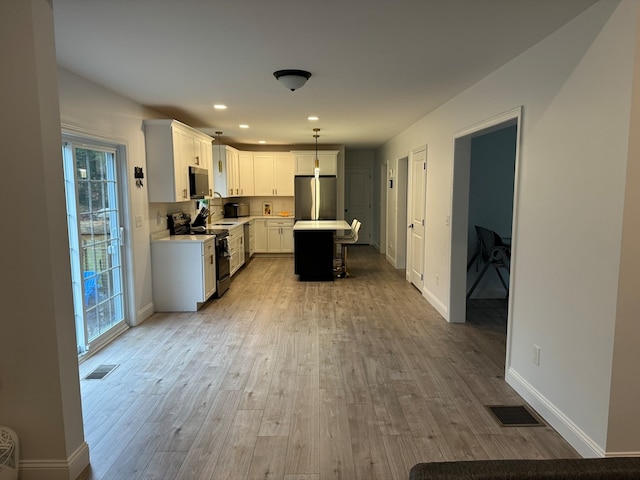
[[314, 249]]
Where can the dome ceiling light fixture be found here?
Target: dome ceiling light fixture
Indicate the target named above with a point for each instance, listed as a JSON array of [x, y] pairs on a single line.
[[292, 79]]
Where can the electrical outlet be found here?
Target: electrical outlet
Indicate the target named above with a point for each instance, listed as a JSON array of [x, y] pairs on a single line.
[[536, 355], [138, 221]]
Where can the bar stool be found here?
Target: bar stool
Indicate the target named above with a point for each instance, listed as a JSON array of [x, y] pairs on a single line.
[[343, 241]]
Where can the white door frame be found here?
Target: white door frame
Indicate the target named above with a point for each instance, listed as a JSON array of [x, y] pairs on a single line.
[[460, 212], [121, 146]]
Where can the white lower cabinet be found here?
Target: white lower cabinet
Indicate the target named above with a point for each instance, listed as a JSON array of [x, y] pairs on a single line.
[[273, 235], [236, 247], [183, 274], [260, 235]]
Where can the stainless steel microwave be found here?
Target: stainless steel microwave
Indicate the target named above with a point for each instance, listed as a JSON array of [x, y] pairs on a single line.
[[198, 182]]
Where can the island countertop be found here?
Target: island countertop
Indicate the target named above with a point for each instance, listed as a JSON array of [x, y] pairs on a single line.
[[321, 225]]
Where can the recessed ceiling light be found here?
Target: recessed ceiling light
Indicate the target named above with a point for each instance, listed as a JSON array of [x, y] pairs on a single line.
[[313, 118], [262, 141], [219, 106], [242, 125]]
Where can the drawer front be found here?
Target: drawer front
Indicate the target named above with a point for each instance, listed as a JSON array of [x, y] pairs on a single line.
[[208, 248], [281, 223]]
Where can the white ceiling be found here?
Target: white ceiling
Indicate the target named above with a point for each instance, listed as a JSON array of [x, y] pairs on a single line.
[[377, 65]]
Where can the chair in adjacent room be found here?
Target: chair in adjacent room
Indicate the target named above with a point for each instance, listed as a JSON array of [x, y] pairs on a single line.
[[493, 252], [90, 287], [343, 241]]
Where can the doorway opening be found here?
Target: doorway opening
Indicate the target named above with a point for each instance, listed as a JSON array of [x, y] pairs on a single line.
[[491, 181], [358, 201], [473, 204]]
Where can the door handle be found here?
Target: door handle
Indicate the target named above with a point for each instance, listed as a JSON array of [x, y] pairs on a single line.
[[411, 226]]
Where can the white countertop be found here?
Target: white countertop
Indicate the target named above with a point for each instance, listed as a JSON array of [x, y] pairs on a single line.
[[222, 223], [164, 237], [321, 225], [234, 222]]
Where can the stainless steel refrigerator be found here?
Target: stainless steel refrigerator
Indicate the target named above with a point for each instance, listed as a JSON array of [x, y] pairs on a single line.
[[315, 199]]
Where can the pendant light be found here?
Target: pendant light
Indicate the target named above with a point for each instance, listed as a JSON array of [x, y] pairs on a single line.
[[218, 133], [316, 169]]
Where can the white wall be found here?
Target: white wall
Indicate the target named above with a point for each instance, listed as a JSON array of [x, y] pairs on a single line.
[[575, 89], [624, 421], [90, 109]]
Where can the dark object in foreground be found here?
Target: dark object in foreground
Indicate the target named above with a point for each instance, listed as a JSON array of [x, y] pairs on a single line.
[[618, 468]]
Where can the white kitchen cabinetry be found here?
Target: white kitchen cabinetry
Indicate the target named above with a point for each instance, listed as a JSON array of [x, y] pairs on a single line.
[[273, 235], [274, 174], [284, 175], [327, 159], [260, 235], [246, 179], [183, 274], [172, 147], [235, 177], [280, 236], [236, 247], [225, 161]]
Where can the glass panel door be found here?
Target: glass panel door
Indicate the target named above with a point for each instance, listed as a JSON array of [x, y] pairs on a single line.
[[95, 240]]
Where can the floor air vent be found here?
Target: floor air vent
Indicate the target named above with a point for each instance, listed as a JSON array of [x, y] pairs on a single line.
[[515, 416], [101, 372]]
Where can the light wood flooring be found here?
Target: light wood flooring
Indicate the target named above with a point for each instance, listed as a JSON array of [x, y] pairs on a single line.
[[354, 379]]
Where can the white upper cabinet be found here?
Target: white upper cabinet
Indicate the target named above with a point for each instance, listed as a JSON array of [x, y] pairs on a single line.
[[305, 162], [273, 174], [172, 147], [284, 175], [263, 171], [223, 158], [246, 180], [234, 175]]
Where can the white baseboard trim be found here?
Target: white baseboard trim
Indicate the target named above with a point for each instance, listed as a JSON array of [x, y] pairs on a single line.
[[578, 439], [436, 303], [56, 469], [390, 259], [144, 313], [621, 454]]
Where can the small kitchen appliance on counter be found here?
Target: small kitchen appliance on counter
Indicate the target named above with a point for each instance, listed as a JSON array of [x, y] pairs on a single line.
[[235, 210], [179, 223]]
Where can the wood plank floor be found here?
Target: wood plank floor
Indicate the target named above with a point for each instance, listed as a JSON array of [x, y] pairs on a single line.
[[354, 379]]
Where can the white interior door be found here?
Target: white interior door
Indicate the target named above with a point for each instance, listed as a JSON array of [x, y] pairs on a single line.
[[358, 200], [417, 217], [95, 240]]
